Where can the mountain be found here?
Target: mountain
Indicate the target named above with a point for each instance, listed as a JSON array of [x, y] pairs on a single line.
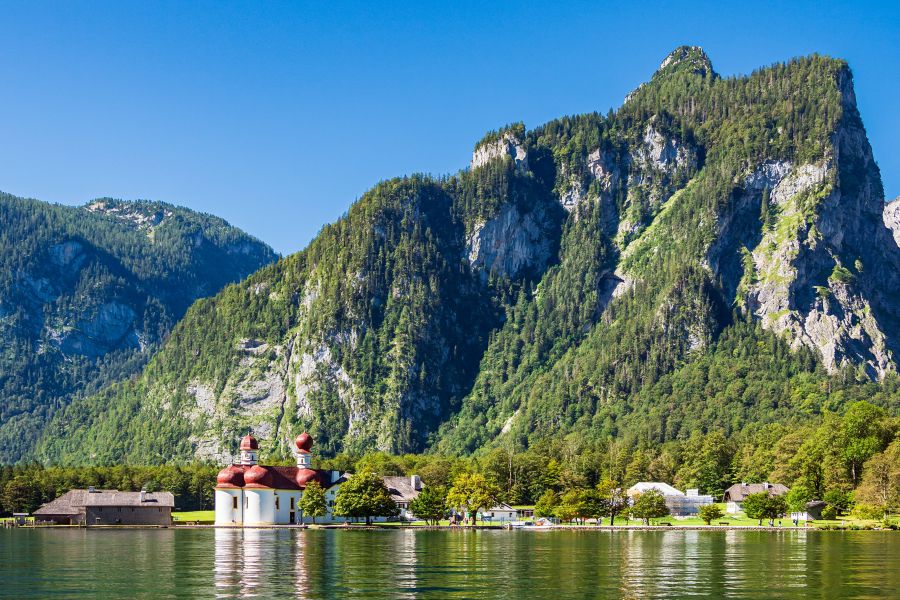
[[892, 218], [712, 255], [87, 293]]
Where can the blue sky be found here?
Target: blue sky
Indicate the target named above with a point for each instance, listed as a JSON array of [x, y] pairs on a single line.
[[277, 116]]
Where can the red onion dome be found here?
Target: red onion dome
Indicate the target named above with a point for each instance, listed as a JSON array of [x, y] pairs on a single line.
[[304, 476], [231, 475], [258, 475], [249, 443], [304, 442]]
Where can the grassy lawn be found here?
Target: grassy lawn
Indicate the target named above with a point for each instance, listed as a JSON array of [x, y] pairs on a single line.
[[202, 516]]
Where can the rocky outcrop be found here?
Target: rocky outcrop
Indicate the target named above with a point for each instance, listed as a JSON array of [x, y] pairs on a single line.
[[507, 144], [821, 267], [143, 216], [509, 243], [690, 59], [891, 218]]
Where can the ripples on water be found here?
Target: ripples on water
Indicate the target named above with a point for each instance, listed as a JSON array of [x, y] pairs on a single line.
[[275, 563]]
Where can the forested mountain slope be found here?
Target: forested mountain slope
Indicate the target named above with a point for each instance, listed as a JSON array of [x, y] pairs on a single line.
[[713, 255], [87, 293]]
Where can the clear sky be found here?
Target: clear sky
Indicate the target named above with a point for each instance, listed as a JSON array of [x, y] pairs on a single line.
[[277, 116]]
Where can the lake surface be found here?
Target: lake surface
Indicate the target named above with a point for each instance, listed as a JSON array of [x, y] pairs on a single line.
[[276, 563]]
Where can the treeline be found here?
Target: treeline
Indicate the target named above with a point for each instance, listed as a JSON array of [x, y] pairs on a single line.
[[848, 460], [851, 461], [25, 488]]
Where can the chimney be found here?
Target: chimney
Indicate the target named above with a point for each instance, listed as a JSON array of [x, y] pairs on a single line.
[[415, 482], [92, 489], [143, 495]]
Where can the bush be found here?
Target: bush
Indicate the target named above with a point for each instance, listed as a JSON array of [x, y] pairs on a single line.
[[710, 512], [867, 511], [829, 513]]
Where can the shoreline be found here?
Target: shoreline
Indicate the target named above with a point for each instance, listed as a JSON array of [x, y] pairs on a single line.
[[599, 528]]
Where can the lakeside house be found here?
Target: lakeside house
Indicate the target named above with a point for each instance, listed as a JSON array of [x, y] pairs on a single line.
[[108, 507], [501, 513], [403, 491], [735, 495], [680, 504], [249, 494]]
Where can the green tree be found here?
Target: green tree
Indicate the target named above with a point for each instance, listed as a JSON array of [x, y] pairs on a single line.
[[649, 505], [864, 433], [546, 504], [775, 508], [364, 495], [21, 494], [755, 506], [711, 512], [470, 493], [880, 487], [612, 499], [312, 502], [430, 505], [798, 497]]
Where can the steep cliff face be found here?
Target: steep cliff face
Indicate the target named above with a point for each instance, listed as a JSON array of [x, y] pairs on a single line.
[[555, 287], [499, 145], [823, 263], [892, 218], [87, 293]]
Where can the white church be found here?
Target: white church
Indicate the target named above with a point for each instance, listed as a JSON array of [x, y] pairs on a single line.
[[253, 494]]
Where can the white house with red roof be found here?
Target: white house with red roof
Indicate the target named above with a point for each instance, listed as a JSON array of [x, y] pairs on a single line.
[[250, 494]]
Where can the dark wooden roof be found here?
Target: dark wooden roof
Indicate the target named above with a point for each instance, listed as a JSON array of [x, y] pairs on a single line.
[[739, 491], [400, 488]]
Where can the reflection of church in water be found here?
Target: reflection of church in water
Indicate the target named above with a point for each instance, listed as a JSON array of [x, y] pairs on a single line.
[[251, 494]]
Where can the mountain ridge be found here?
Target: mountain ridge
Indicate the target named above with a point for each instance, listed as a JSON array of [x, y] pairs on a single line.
[[553, 287], [87, 293]]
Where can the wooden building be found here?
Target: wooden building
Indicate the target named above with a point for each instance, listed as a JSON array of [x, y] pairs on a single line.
[[735, 495], [108, 507]]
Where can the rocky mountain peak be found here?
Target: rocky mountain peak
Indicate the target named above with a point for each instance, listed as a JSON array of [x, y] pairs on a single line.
[[142, 215], [690, 59]]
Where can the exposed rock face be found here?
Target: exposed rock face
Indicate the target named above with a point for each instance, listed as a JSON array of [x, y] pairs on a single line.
[[892, 218], [507, 145], [141, 216], [111, 326], [820, 270], [664, 154], [509, 243]]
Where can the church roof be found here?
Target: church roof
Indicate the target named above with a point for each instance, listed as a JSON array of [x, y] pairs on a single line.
[[275, 477]]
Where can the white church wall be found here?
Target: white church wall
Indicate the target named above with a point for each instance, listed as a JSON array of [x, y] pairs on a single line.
[[260, 507], [226, 514]]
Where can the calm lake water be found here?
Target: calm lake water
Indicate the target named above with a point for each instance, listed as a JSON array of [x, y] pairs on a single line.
[[275, 563]]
